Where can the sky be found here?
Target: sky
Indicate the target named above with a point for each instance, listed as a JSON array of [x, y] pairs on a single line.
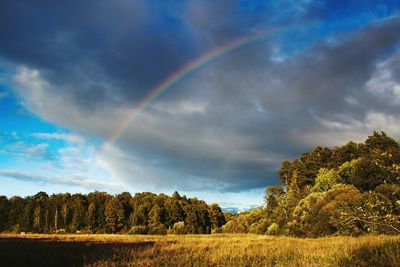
[[203, 97]]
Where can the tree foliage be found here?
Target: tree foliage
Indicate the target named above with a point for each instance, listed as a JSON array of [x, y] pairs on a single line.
[[100, 212], [349, 190]]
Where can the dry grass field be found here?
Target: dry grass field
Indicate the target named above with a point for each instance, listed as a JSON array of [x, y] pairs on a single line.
[[197, 250]]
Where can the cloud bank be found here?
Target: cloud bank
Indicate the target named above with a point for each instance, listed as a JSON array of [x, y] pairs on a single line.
[[227, 126]]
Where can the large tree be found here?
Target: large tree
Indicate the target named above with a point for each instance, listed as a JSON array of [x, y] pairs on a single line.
[[114, 212]]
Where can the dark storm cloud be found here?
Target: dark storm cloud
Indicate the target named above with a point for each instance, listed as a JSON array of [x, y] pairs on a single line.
[[112, 49], [118, 50], [232, 121], [294, 95]]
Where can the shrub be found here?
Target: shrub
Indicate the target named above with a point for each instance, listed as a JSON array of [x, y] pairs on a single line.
[[179, 228], [217, 230], [234, 226], [139, 230], [158, 229], [273, 229]]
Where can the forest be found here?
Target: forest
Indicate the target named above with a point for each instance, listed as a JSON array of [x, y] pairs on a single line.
[[353, 190], [100, 212]]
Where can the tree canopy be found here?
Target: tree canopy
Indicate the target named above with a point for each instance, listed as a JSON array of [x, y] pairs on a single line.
[[349, 190], [100, 212]]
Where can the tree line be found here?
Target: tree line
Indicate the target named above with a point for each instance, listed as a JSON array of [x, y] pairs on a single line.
[[353, 189], [100, 212], [349, 190]]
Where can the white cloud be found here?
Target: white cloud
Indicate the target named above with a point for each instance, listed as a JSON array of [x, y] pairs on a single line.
[[27, 151], [74, 180], [338, 132], [128, 169], [72, 138], [384, 83]]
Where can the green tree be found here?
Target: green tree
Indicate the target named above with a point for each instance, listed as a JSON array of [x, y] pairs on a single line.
[[4, 211], [16, 207], [342, 202], [173, 211], [380, 141], [348, 152], [125, 198], [40, 218], [114, 212], [326, 179], [392, 193], [156, 227], [155, 215], [306, 214], [92, 217], [78, 207], [367, 174], [377, 214], [197, 219], [217, 218]]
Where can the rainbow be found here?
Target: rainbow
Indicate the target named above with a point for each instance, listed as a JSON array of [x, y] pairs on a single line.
[[179, 75]]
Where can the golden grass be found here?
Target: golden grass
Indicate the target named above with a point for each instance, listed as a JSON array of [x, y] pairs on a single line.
[[217, 250]]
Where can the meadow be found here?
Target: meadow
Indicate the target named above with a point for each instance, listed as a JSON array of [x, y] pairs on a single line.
[[197, 250]]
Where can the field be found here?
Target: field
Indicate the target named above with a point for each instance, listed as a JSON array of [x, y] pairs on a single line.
[[197, 250]]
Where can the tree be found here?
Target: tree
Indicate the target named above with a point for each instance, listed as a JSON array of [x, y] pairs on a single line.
[[326, 179], [125, 199], [346, 153], [155, 215], [173, 211], [347, 169], [156, 227], [392, 193], [99, 199], [377, 214], [40, 213], [272, 196], [176, 196], [306, 214], [92, 217], [217, 218], [197, 219], [380, 141], [13, 212], [99, 212], [367, 174], [114, 212], [4, 210], [353, 189]]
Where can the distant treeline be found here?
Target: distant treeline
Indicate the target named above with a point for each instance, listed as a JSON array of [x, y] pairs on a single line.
[[100, 212], [349, 190]]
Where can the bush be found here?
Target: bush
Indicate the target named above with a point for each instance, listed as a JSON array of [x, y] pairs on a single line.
[[259, 227], [273, 229], [216, 230], [139, 230], [179, 228], [158, 229], [234, 226]]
